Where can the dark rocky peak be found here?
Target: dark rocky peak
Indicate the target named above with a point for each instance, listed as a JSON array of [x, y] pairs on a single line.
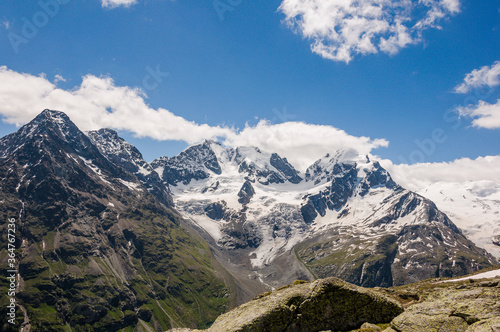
[[53, 126], [199, 155], [264, 167], [122, 153], [246, 193], [375, 176], [51, 117], [118, 150], [196, 162], [282, 165], [52, 140], [328, 167], [106, 135], [335, 196], [347, 179]]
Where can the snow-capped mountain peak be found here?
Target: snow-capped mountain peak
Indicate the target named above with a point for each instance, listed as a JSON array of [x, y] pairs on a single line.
[[210, 159], [120, 152]]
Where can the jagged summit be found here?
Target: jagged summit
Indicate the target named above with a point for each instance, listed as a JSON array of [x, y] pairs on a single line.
[[208, 159], [120, 152], [48, 123], [96, 247], [52, 141], [52, 115], [51, 122], [194, 163]]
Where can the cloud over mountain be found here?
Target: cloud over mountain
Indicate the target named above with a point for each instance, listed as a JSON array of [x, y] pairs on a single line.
[[422, 175], [99, 103]]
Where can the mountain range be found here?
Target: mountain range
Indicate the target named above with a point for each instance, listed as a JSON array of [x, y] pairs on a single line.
[[108, 241], [344, 216]]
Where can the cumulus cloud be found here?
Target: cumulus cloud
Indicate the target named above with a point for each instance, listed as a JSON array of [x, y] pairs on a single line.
[[302, 144], [99, 103], [418, 176], [487, 76], [58, 78], [485, 115], [96, 103], [117, 3], [339, 30]]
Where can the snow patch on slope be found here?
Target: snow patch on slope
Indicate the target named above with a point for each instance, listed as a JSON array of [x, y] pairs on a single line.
[[484, 275], [473, 206]]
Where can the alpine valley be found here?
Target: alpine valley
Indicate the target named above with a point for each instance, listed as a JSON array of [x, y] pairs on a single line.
[[110, 242]]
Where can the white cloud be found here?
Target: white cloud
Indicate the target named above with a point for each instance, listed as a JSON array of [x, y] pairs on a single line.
[[5, 24], [302, 144], [418, 176], [485, 76], [485, 115], [117, 3], [99, 103], [95, 104], [340, 29], [59, 78]]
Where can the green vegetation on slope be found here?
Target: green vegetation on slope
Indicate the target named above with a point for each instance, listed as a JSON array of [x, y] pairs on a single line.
[[87, 265]]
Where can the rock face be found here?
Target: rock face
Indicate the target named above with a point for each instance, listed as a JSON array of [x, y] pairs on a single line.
[[496, 240], [327, 304], [96, 250], [471, 306], [246, 193], [195, 163], [122, 153]]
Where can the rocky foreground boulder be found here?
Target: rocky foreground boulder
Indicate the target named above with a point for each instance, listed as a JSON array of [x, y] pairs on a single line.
[[310, 306], [466, 305], [435, 305]]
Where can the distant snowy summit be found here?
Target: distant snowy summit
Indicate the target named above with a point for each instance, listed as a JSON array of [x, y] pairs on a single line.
[[474, 207]]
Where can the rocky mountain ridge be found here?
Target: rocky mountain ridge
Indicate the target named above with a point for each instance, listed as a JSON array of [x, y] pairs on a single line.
[[97, 250], [122, 153]]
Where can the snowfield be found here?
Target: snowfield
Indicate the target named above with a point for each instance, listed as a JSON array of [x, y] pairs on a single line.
[[485, 275]]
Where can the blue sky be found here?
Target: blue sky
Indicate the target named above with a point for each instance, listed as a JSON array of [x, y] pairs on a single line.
[[254, 65]]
